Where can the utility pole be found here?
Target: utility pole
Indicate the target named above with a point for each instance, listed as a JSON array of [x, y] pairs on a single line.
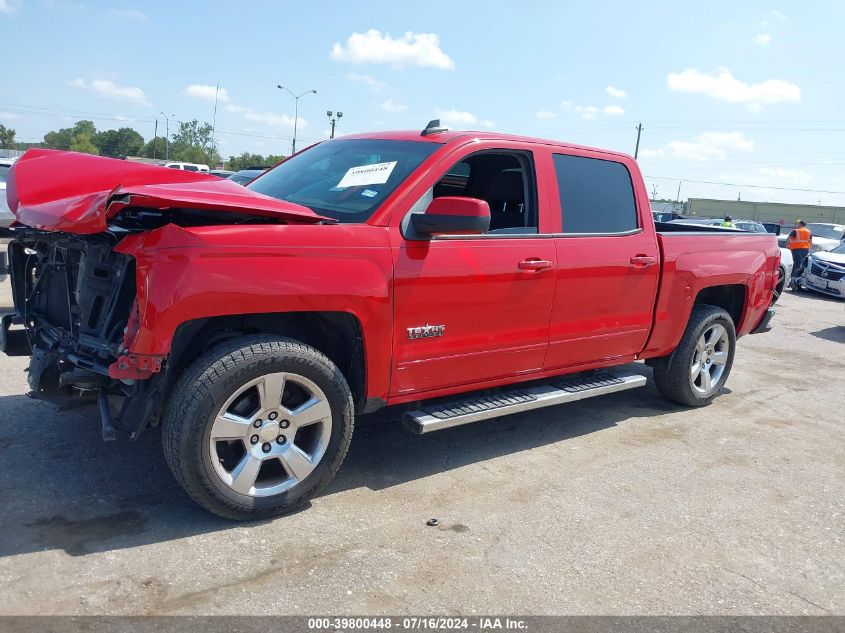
[[167, 134], [654, 192], [155, 136], [640, 129], [330, 114], [296, 98], [678, 197], [214, 119]]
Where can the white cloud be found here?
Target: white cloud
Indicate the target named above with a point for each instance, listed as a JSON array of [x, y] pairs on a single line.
[[412, 49], [706, 146], [367, 80], [206, 93], [111, 90], [129, 14], [267, 118], [725, 87], [762, 39], [389, 105], [588, 113], [545, 114], [786, 176], [614, 110], [616, 93], [457, 117], [8, 7], [9, 116], [462, 118]]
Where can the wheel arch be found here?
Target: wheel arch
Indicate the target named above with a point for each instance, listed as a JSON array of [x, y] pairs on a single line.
[[338, 335], [730, 297]]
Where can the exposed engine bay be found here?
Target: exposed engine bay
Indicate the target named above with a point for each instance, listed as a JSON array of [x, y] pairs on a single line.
[[74, 297]]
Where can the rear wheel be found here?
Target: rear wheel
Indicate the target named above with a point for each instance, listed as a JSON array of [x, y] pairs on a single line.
[[779, 285], [699, 367], [257, 426]]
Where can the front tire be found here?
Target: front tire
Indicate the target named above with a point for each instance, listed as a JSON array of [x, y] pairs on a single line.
[[257, 426], [697, 370]]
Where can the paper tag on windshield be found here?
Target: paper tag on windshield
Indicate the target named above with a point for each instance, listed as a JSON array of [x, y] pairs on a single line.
[[376, 174]]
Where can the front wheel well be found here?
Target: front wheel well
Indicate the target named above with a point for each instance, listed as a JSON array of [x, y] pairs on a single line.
[[730, 297], [338, 335]]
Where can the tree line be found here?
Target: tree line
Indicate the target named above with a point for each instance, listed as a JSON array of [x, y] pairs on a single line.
[[192, 142]]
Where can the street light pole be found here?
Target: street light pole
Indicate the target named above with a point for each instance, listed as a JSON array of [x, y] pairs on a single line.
[[167, 136], [333, 121], [296, 98]]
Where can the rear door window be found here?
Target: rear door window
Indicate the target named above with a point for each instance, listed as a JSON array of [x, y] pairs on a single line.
[[596, 196]]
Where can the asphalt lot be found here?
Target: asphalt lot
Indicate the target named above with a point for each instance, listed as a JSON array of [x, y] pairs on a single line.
[[624, 504]]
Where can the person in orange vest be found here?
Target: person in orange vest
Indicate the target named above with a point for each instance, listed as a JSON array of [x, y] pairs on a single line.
[[799, 241]]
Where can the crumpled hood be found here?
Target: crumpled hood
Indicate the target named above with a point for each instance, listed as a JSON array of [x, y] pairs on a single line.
[[78, 193]]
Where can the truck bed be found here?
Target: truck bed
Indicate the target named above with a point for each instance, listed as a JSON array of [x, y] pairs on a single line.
[[738, 265]]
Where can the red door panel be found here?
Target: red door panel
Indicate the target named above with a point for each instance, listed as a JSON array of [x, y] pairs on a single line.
[[603, 300], [491, 295]]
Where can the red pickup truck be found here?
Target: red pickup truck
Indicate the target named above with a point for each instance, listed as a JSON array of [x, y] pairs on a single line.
[[462, 275]]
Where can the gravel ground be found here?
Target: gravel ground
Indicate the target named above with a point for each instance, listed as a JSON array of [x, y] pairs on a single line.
[[624, 504]]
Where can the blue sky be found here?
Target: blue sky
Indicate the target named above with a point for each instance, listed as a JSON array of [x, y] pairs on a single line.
[[729, 92]]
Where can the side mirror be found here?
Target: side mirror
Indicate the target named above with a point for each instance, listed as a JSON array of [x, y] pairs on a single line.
[[453, 215]]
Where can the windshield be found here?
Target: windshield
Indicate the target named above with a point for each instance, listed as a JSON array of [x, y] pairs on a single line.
[[830, 232], [344, 179], [4, 171]]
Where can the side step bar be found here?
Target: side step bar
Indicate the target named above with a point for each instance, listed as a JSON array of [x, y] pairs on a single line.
[[443, 415]]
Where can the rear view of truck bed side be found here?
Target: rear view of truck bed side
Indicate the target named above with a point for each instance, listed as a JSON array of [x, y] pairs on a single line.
[[733, 271]]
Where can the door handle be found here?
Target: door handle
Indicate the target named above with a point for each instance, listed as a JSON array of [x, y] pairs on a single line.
[[533, 263], [643, 260]]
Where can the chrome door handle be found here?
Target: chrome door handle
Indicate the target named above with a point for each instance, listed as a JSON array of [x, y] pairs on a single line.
[[643, 260], [532, 263]]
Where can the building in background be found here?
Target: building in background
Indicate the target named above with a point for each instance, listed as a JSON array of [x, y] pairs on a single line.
[[777, 212]]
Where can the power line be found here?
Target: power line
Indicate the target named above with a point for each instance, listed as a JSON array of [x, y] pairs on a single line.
[[734, 184]]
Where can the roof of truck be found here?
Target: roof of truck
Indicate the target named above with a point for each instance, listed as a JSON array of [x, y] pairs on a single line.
[[452, 135]]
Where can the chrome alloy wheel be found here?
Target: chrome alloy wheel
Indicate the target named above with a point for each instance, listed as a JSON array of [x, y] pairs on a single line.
[[709, 360], [270, 434]]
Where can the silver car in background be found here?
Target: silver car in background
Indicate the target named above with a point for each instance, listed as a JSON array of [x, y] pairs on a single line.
[[825, 272]]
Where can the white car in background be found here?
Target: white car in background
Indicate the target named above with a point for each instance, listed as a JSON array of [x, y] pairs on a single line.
[[825, 272], [188, 167], [826, 237], [6, 216]]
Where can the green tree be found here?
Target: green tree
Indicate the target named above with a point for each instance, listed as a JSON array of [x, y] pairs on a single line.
[[192, 143], [244, 160], [122, 142], [83, 143], [156, 147], [79, 138], [7, 137]]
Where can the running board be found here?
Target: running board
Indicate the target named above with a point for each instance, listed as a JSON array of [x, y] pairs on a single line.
[[443, 415]]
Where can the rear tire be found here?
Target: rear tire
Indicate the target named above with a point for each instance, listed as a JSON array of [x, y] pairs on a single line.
[[779, 285], [257, 426], [697, 370]]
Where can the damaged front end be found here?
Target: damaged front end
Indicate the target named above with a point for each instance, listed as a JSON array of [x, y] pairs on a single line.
[[74, 280], [74, 298]]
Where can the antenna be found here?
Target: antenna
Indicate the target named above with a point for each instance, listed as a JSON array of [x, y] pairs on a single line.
[[433, 127]]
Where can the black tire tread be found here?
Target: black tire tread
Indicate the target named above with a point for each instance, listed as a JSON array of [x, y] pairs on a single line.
[[194, 386], [671, 375]]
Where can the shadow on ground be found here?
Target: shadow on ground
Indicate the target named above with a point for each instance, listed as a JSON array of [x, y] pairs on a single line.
[[62, 487], [835, 334]]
